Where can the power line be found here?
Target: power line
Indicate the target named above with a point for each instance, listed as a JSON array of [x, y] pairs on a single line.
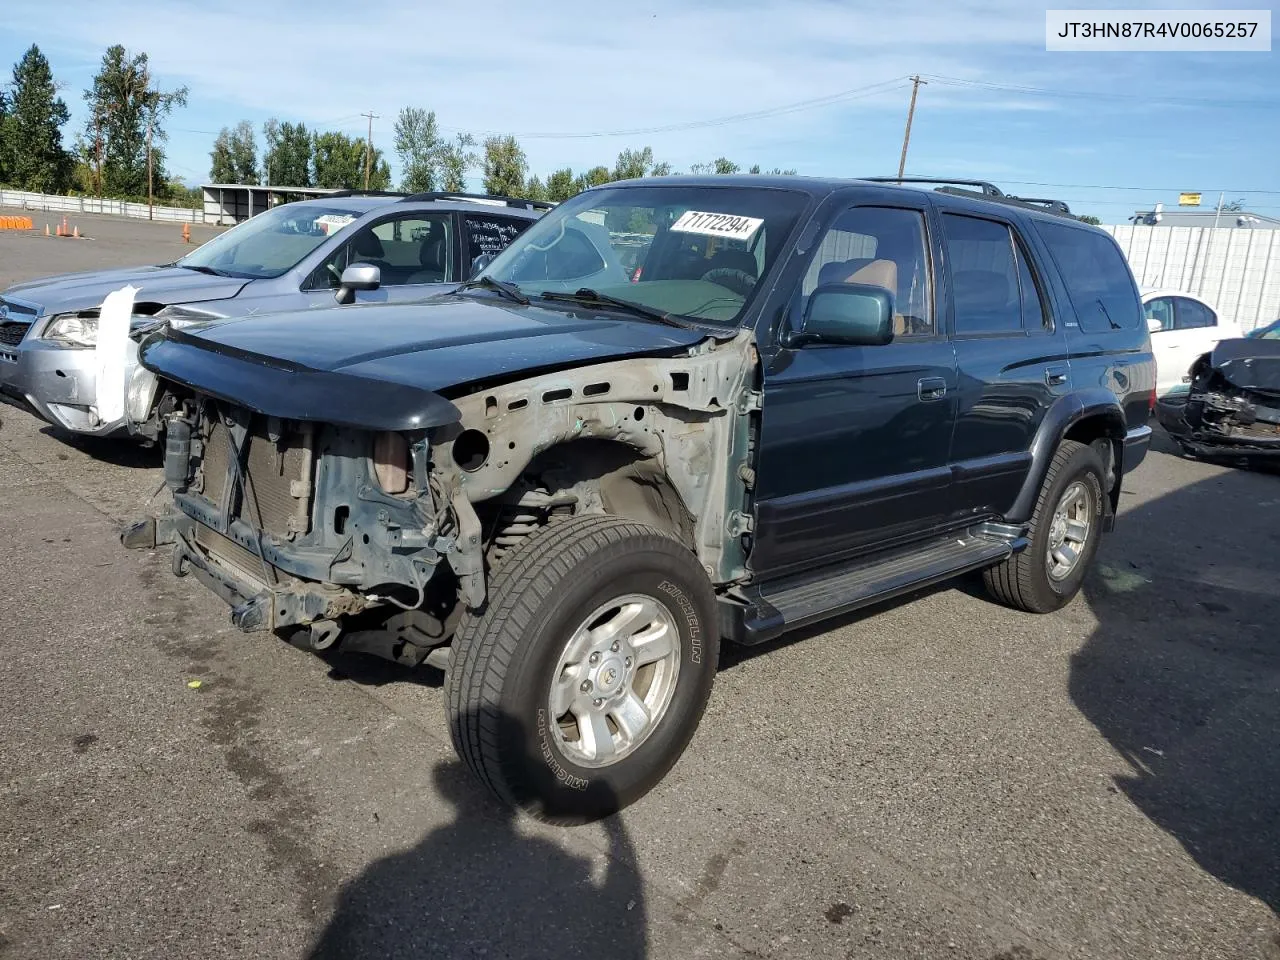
[[856, 93], [1102, 186], [1101, 95]]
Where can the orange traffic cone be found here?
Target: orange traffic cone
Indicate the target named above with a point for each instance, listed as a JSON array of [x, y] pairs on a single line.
[[46, 230], [186, 233], [75, 232], [63, 231]]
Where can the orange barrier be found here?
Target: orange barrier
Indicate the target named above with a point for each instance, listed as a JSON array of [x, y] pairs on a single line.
[[15, 223]]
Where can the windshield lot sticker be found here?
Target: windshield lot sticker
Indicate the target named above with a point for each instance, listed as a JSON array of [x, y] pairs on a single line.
[[331, 223], [717, 225]]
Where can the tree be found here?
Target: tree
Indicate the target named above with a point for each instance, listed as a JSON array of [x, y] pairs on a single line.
[[592, 178], [126, 114], [504, 166], [633, 164], [720, 165], [340, 161], [455, 159], [286, 159], [32, 128], [235, 155], [1089, 218], [662, 169], [4, 138], [418, 145], [535, 189], [560, 185], [775, 172]]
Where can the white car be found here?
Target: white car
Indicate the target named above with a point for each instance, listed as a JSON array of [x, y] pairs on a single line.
[[1183, 326]]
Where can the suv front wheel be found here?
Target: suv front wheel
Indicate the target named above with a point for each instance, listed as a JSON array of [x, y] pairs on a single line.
[[1064, 532], [581, 681]]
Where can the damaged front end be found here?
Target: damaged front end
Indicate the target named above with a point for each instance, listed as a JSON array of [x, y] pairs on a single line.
[[1232, 408], [360, 508]]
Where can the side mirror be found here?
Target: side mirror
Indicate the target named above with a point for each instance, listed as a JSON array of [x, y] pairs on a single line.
[[1154, 325], [358, 276], [480, 262], [856, 314]]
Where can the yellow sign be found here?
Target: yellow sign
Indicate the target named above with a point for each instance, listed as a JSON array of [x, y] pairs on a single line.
[[1188, 199]]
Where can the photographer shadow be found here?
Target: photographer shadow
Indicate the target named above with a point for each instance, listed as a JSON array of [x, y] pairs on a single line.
[[1182, 674], [482, 887]]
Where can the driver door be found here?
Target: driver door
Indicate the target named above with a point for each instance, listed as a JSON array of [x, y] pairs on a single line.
[[414, 252], [855, 440]]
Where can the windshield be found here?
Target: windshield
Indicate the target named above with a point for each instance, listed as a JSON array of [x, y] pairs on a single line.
[[271, 243], [695, 251]]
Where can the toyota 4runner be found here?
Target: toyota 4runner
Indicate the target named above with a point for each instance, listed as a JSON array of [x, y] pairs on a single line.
[[567, 481]]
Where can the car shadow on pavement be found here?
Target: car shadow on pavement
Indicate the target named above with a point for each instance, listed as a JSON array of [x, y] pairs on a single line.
[[1182, 674], [118, 451], [482, 886]]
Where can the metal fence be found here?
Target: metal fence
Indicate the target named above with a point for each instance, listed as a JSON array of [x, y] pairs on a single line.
[[53, 203], [1236, 270]]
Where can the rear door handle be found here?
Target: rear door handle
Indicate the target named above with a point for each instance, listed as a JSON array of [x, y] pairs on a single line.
[[1055, 376], [931, 388]]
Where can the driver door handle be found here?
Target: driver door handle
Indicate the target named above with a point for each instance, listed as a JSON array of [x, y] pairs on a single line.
[[931, 388]]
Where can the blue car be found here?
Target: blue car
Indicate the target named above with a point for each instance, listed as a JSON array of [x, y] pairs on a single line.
[[1270, 332], [291, 257]]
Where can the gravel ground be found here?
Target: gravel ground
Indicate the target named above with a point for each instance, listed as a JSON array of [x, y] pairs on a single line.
[[940, 777]]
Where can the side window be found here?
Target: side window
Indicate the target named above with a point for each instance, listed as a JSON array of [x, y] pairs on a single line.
[[884, 247], [1191, 314], [984, 276], [1098, 280], [415, 248], [1035, 311], [1160, 309], [490, 235]]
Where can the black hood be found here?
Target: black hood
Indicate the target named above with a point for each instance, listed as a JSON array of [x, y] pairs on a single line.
[[373, 365]]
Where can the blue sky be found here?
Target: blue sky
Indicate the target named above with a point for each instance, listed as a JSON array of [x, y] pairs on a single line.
[[998, 106]]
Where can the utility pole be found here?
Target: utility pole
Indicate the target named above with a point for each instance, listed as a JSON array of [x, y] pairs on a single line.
[[368, 147], [911, 112], [151, 200]]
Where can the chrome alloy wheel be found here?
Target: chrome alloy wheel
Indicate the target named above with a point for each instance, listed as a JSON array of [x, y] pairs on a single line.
[[615, 679], [1069, 531]]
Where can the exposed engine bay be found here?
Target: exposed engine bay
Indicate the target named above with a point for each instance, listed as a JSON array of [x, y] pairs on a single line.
[[1232, 408]]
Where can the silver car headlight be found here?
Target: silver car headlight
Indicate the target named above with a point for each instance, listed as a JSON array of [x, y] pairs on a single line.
[[73, 330]]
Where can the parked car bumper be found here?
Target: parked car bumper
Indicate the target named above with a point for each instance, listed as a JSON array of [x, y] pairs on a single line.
[[1136, 444], [60, 384]]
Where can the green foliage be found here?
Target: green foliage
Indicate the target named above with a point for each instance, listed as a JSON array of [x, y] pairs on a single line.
[[775, 172], [286, 158], [504, 166], [340, 163], [418, 145], [31, 152], [1090, 218], [123, 105], [594, 177], [455, 159], [235, 155], [633, 164], [535, 189], [561, 186]]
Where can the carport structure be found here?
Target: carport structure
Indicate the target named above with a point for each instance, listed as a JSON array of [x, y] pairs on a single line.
[[230, 203]]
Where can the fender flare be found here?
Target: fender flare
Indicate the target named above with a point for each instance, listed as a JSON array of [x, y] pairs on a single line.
[[1062, 415]]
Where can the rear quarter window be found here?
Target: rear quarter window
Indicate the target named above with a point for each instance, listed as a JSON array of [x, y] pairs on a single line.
[[1096, 275]]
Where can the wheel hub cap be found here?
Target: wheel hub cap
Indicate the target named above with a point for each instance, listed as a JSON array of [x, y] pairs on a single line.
[[1069, 531], [614, 680]]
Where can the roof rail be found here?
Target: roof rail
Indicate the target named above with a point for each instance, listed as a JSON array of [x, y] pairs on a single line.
[[365, 193], [497, 199], [985, 191], [988, 189]]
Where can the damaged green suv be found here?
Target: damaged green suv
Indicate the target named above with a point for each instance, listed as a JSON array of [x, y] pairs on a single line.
[[672, 411]]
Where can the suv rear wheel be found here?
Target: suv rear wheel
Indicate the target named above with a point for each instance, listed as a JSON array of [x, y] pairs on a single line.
[[580, 683], [1065, 530]]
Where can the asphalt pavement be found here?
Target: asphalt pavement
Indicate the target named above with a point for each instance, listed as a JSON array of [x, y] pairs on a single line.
[[940, 777]]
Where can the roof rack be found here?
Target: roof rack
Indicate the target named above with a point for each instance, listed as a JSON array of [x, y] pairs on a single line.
[[984, 191], [491, 198], [365, 193]]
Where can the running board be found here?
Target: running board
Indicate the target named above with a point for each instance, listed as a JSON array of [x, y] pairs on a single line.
[[773, 608]]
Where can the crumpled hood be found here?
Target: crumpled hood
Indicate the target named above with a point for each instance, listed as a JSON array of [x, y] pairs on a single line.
[[82, 291], [351, 365], [1248, 364]]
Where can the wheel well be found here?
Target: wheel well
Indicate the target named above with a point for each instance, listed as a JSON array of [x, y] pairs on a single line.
[[1105, 433], [616, 479]]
